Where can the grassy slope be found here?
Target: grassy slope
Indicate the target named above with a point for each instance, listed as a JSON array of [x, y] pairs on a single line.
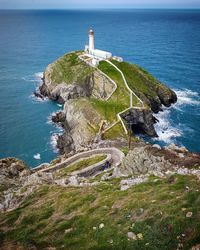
[[64, 217], [69, 69], [138, 79], [80, 165]]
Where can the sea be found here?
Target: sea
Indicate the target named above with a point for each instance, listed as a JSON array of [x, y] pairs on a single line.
[[164, 42]]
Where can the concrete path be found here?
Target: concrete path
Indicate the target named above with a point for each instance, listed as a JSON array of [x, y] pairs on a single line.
[[126, 84], [112, 153]]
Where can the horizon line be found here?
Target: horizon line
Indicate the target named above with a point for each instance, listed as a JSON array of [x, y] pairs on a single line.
[[108, 8]]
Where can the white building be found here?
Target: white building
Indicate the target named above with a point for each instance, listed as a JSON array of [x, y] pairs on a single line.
[[100, 54], [97, 54], [118, 58]]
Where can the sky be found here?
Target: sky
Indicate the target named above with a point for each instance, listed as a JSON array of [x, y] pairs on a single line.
[[78, 4]]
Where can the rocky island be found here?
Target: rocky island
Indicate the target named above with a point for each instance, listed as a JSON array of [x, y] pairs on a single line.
[[92, 100], [100, 193]]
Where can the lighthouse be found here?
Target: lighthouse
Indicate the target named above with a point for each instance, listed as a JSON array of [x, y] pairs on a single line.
[[91, 40], [95, 54]]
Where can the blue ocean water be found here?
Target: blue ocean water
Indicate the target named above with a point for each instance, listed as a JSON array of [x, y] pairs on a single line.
[[165, 42]]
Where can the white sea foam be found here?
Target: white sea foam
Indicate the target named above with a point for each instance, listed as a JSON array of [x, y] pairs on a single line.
[[166, 132], [187, 97], [37, 156], [59, 105], [164, 129], [53, 141], [37, 79], [29, 78], [38, 75], [38, 99]]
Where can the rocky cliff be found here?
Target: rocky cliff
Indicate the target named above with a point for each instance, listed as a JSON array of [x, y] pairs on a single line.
[[90, 98]]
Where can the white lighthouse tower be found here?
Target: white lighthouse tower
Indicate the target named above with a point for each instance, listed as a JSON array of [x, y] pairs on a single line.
[[95, 55], [91, 40]]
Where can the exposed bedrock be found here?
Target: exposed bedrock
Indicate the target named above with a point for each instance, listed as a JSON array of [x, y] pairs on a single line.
[[10, 171], [63, 92], [77, 119], [58, 117], [141, 120], [164, 96], [94, 84]]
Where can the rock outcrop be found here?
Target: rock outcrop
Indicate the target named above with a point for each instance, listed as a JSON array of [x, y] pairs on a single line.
[[10, 171], [17, 182], [141, 120], [79, 133], [162, 96], [139, 161]]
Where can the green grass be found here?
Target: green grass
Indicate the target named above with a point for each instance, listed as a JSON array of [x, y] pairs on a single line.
[[114, 132], [109, 109], [153, 209], [80, 165], [138, 79], [69, 68], [121, 95]]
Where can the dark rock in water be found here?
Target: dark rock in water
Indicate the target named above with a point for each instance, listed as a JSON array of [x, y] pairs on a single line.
[[162, 96], [44, 90], [166, 95], [141, 120], [65, 143], [37, 94], [59, 117]]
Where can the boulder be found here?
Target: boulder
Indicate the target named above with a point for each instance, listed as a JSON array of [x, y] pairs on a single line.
[[131, 236]]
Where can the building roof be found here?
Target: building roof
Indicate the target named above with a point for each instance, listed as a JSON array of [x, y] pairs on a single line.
[[91, 32]]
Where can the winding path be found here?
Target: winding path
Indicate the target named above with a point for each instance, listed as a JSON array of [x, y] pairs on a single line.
[[126, 84], [113, 154], [141, 103]]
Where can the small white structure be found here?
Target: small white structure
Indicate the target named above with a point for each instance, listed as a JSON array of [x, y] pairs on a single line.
[[100, 54], [118, 58]]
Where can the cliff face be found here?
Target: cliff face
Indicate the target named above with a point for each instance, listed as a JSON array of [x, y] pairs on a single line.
[[80, 122], [70, 78], [90, 98]]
